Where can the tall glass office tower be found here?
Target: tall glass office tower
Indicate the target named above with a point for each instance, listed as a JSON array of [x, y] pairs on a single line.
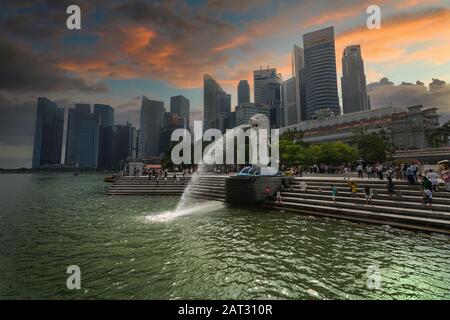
[[243, 92], [320, 72], [104, 115], [82, 144], [151, 122], [210, 108], [48, 133], [353, 81], [180, 105]]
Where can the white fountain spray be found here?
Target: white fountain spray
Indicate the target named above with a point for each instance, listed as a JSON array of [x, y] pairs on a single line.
[[186, 206]]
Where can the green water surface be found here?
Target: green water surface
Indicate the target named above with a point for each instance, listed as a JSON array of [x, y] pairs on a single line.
[[51, 221]]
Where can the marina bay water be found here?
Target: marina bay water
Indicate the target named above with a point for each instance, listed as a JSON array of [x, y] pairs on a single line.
[[129, 247]]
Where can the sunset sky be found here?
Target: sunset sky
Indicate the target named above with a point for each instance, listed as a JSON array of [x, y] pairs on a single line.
[[162, 48]]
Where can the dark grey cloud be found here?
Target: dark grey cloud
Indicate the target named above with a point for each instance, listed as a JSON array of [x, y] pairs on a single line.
[[17, 121], [385, 92], [25, 71]]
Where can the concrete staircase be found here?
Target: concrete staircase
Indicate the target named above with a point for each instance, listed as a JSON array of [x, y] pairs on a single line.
[[208, 187], [405, 209], [144, 186]]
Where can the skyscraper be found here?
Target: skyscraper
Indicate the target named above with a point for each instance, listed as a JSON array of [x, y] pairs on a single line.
[[260, 77], [320, 72], [125, 140], [245, 111], [48, 133], [223, 101], [104, 116], [298, 71], [171, 122], [353, 81], [82, 143], [181, 106], [210, 108], [243, 91], [150, 124], [224, 109], [271, 97], [290, 102]]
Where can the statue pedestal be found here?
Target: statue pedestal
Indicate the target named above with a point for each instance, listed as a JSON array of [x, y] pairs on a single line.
[[251, 190]]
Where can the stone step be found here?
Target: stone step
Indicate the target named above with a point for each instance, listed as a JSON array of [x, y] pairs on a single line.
[[206, 191], [417, 193], [206, 196], [389, 202], [409, 222], [144, 192], [363, 181], [147, 189], [419, 212]]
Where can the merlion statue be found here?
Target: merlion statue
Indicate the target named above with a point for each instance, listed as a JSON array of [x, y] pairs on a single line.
[[259, 121]]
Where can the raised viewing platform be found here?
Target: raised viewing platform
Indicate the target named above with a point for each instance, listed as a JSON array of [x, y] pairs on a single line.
[[405, 209]]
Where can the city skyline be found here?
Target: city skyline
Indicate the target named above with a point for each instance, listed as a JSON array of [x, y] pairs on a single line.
[[72, 78]]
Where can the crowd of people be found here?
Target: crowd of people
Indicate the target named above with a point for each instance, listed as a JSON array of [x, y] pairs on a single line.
[[425, 177], [411, 172]]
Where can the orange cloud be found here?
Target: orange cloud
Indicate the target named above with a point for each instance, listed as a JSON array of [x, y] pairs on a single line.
[[137, 38], [418, 37]]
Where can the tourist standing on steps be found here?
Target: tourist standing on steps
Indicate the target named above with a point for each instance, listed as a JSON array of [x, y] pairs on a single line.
[[369, 194], [390, 186], [278, 197], [353, 189], [303, 186], [427, 197], [359, 168], [415, 169], [267, 193], [369, 171], [380, 171], [410, 175], [333, 192], [433, 177], [446, 178], [426, 183], [346, 173], [398, 173]]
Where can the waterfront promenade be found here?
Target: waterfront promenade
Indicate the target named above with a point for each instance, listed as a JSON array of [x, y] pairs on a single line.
[[404, 208]]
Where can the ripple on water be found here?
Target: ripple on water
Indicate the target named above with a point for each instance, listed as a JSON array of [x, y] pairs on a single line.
[[137, 247]]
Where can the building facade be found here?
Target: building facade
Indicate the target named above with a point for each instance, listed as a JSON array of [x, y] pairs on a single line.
[[290, 102], [180, 105], [48, 133], [260, 78], [298, 74], [223, 102], [210, 109], [126, 144], [271, 96], [407, 128], [246, 110], [104, 116], [353, 81], [151, 122], [243, 91], [320, 72], [82, 142]]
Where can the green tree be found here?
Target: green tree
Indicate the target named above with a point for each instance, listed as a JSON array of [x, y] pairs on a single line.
[[374, 146], [439, 137]]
